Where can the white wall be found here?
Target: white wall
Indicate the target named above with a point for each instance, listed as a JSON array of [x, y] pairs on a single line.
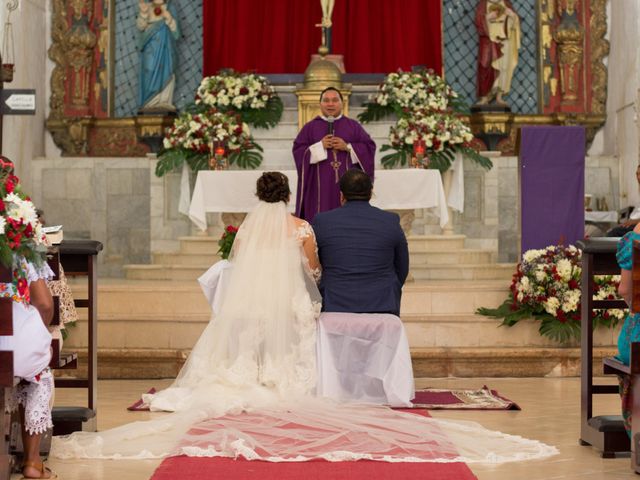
[[23, 136], [620, 135]]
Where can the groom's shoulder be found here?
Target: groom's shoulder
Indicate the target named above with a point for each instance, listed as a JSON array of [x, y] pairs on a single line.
[[326, 216], [389, 216]]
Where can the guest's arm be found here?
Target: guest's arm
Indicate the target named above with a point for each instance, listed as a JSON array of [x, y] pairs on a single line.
[[624, 289], [42, 300]]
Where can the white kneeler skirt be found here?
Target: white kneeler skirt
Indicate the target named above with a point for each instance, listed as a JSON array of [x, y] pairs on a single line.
[[364, 357]]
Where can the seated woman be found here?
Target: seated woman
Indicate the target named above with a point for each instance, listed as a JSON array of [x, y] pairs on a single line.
[[631, 328], [31, 344]]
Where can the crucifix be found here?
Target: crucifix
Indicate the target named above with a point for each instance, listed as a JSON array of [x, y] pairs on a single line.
[[335, 163], [325, 25]]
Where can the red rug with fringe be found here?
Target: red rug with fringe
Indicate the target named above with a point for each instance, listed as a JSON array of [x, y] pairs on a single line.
[[183, 467], [462, 399]]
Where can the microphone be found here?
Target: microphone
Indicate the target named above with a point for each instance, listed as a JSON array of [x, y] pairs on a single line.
[[330, 121]]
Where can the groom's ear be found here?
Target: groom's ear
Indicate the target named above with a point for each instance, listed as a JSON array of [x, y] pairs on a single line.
[[342, 199]]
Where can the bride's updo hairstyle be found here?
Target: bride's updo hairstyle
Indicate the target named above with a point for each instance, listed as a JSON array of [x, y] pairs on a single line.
[[273, 187]]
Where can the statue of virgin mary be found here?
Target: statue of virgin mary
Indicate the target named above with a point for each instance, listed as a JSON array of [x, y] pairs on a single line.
[[157, 42]]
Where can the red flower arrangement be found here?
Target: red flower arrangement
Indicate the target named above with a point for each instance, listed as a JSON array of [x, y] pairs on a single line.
[[21, 234], [546, 287], [226, 241]]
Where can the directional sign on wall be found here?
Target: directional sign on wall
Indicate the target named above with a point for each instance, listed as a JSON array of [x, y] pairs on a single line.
[[17, 102]]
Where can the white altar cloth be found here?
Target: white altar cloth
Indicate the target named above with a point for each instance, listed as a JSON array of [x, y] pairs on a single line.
[[364, 357], [233, 191], [601, 217]]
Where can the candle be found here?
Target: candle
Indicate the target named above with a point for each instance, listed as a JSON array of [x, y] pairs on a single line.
[[219, 151], [419, 149]]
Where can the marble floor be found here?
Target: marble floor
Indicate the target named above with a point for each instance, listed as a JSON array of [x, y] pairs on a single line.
[[550, 413]]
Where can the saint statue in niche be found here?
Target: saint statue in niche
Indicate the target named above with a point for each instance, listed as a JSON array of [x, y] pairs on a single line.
[[499, 41], [159, 32]]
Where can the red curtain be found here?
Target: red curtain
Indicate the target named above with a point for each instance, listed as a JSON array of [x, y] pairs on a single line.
[[278, 36]]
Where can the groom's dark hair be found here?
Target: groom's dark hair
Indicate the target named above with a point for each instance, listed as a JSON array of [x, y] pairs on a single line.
[[356, 185]]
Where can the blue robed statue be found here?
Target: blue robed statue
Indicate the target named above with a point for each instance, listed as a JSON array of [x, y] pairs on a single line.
[[158, 34]]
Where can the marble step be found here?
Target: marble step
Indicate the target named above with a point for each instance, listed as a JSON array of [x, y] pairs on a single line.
[[163, 272], [198, 244], [492, 271], [150, 326], [485, 271], [436, 242], [177, 312], [417, 243], [427, 258], [424, 256], [173, 298], [178, 258], [469, 330], [428, 362]]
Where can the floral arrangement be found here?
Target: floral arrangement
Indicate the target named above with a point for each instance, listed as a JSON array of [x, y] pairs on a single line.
[[436, 131], [226, 241], [546, 286], [428, 118], [20, 231], [217, 123], [196, 137], [248, 94]]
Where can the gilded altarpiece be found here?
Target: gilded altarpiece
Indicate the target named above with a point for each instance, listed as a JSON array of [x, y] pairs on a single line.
[[572, 78], [81, 121]]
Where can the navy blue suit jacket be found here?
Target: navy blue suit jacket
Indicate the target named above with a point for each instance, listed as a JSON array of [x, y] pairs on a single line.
[[364, 257]]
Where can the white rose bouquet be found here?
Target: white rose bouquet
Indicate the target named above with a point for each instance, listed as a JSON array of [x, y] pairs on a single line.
[[429, 115], [247, 94], [546, 286]]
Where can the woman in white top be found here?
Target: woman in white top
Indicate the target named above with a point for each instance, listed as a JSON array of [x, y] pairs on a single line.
[[31, 346]]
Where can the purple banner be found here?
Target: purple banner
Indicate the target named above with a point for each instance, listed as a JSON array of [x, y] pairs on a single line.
[[551, 186]]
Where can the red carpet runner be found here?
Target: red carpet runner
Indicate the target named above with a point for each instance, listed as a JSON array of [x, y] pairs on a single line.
[[178, 468], [182, 467]]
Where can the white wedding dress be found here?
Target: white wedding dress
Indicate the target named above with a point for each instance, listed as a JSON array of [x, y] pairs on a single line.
[[247, 388]]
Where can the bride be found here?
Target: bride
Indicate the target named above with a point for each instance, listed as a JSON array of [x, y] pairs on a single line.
[[247, 388]]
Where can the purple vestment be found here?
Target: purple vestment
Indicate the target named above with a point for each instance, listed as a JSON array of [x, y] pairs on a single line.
[[318, 188]]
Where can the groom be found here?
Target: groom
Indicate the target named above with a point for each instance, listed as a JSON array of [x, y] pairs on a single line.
[[362, 250]]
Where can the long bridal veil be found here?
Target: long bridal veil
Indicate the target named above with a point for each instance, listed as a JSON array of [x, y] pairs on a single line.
[[247, 387]]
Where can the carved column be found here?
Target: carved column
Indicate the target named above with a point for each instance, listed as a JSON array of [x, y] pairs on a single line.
[[80, 41], [79, 81], [569, 36]]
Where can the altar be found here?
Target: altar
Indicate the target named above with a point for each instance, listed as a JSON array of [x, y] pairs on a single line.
[[233, 191]]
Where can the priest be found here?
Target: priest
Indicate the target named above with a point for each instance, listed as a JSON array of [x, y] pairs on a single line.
[[324, 150]]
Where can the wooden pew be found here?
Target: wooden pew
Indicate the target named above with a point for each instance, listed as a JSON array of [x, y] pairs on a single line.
[[6, 377], [79, 259], [604, 432]]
